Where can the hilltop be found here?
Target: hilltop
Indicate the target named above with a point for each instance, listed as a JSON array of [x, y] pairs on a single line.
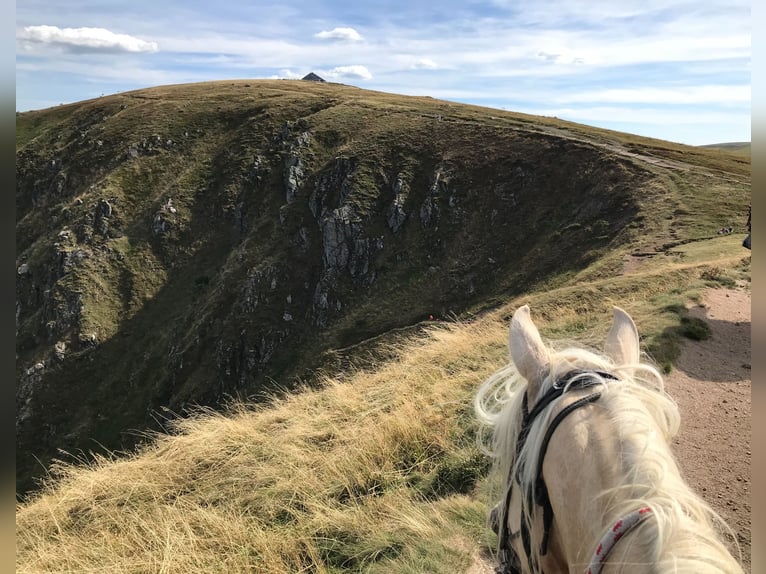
[[185, 244]]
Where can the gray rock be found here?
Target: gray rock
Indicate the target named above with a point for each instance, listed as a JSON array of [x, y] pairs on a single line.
[[163, 220], [320, 303], [429, 210], [296, 145], [337, 180], [259, 170], [338, 228], [293, 176], [62, 310], [255, 290], [59, 350], [396, 213], [304, 239], [101, 215], [160, 224], [68, 260]]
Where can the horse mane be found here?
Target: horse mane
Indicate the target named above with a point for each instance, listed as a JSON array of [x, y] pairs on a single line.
[[685, 533]]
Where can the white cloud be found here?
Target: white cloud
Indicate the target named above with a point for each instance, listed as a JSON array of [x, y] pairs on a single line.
[[94, 73], [560, 58], [274, 53], [424, 64], [675, 95], [359, 72], [340, 34], [548, 57], [574, 13], [84, 39], [642, 116], [570, 56], [286, 75]]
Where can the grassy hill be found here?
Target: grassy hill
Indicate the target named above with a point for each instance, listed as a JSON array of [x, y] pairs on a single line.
[[376, 470], [185, 244], [741, 148]]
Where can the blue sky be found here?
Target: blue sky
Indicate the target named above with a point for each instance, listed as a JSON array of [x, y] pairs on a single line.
[[673, 69]]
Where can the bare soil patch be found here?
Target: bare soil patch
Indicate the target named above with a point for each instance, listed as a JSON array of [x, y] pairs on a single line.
[[711, 384]]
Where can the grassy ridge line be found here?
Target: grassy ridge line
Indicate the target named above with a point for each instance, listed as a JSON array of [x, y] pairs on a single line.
[[241, 93], [378, 473]]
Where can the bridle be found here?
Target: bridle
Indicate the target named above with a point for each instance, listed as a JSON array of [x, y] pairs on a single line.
[[575, 379]]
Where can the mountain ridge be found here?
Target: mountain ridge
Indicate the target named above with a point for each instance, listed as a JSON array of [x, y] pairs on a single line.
[[182, 244]]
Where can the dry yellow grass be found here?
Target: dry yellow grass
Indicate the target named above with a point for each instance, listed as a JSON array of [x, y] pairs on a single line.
[[376, 471], [315, 481]]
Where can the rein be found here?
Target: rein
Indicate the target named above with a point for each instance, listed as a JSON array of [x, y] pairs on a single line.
[[577, 379], [620, 529]]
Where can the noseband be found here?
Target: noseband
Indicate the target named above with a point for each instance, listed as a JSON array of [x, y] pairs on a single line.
[[576, 379]]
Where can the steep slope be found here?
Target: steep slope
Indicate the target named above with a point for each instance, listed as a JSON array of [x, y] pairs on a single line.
[[182, 244], [377, 471]]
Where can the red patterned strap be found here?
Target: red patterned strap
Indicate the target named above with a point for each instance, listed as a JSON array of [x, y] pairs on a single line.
[[620, 528]]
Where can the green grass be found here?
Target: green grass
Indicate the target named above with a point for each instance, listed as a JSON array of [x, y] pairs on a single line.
[[739, 148], [182, 318], [376, 471]]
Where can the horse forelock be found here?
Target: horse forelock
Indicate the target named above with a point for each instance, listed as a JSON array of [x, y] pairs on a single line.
[[644, 419]]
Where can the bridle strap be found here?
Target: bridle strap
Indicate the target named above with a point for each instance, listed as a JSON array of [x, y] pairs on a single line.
[[541, 490], [509, 561], [617, 531]]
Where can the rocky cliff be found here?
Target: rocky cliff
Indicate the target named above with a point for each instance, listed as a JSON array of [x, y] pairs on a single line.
[[184, 244]]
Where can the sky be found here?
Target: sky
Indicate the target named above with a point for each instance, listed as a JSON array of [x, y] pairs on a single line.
[[676, 70]]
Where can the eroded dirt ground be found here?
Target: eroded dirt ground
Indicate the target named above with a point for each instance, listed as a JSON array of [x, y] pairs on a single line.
[[711, 383]]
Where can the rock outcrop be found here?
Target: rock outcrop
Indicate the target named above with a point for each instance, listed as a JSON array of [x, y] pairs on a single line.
[[222, 247]]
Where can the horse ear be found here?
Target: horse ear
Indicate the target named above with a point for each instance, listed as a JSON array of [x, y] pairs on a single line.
[[528, 352], [622, 344]]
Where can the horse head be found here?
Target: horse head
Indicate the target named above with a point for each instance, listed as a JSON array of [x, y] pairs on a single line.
[[581, 442]]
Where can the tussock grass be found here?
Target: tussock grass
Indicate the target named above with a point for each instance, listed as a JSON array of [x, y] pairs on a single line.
[[374, 471], [361, 472]]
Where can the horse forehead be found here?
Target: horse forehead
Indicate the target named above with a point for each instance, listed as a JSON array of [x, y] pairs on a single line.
[[582, 458], [583, 439]]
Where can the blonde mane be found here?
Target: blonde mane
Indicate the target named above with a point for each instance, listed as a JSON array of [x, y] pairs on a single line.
[[684, 534]]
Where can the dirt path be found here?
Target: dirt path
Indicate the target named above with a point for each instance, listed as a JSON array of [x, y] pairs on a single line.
[[711, 384]]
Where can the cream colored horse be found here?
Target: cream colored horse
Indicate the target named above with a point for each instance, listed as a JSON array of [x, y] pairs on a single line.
[[615, 499]]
